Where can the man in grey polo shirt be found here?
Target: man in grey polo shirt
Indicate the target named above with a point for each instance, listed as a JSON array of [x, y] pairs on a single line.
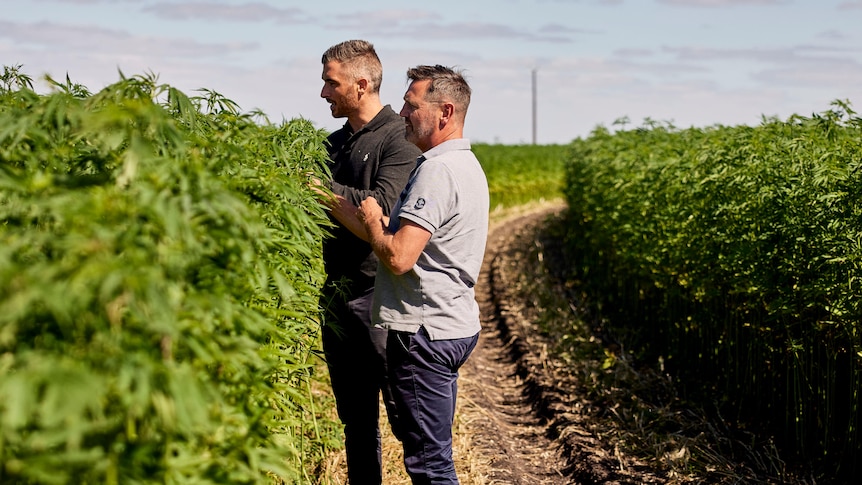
[[430, 250]]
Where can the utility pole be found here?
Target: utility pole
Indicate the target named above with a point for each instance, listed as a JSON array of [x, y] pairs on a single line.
[[534, 106]]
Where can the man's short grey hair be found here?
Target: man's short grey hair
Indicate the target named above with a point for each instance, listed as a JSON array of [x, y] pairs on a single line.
[[360, 59], [447, 84]]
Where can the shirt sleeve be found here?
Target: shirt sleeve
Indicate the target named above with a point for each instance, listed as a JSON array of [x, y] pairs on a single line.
[[429, 200]]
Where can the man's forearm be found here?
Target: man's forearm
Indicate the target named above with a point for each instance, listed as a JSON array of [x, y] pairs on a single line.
[[400, 250], [381, 240]]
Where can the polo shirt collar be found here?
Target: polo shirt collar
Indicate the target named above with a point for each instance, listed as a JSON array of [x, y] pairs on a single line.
[[446, 146]]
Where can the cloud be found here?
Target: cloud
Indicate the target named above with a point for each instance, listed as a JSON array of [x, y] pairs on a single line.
[[382, 19], [480, 30], [777, 55], [834, 35], [247, 12], [410, 23], [618, 74], [721, 3], [98, 42], [850, 5], [806, 66], [597, 2], [633, 52], [87, 2], [842, 74], [564, 29]]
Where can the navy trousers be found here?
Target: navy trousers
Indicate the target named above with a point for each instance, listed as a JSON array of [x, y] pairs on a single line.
[[356, 357], [423, 374]]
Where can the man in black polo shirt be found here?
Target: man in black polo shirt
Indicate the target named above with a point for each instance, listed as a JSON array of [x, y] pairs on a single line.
[[369, 157]]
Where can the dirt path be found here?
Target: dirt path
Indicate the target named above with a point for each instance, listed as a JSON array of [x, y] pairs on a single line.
[[505, 429], [525, 421]]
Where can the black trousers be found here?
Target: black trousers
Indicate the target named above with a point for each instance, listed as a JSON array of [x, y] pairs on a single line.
[[356, 357]]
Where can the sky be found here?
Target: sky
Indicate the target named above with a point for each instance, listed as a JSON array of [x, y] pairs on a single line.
[[543, 71]]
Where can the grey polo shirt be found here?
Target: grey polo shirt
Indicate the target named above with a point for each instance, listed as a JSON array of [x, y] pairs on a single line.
[[447, 194]]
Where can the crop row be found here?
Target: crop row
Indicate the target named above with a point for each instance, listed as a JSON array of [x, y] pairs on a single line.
[[159, 271], [731, 257]]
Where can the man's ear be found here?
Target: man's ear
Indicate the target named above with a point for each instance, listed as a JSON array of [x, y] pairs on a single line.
[[447, 111], [362, 85]]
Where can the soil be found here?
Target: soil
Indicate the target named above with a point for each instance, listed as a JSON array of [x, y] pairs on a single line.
[[521, 409]]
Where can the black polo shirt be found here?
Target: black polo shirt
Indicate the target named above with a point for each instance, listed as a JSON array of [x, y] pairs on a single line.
[[375, 161]]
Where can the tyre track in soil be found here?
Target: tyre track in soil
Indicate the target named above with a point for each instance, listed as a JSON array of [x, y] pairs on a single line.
[[515, 401], [504, 427]]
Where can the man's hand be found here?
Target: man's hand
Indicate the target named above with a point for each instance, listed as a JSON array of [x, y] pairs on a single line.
[[315, 184], [400, 250], [370, 212]]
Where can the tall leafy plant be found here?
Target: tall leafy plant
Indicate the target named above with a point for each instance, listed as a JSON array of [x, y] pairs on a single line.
[[159, 266], [731, 256]]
